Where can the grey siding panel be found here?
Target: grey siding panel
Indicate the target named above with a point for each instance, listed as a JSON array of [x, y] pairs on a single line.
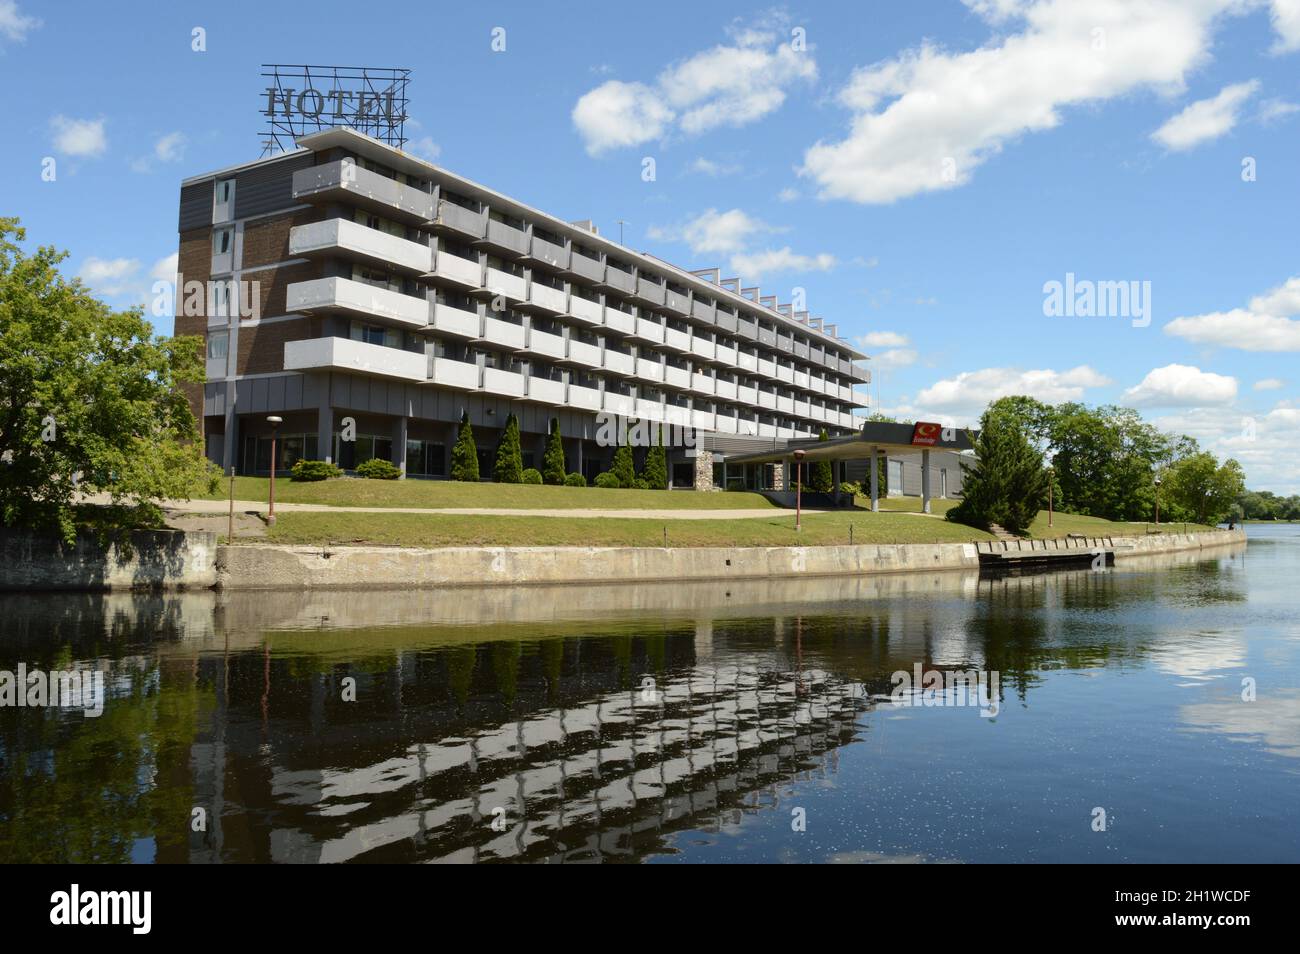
[[196, 207], [266, 188]]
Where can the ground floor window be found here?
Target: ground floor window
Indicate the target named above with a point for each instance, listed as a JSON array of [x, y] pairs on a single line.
[[684, 474], [290, 448], [426, 459], [349, 454]]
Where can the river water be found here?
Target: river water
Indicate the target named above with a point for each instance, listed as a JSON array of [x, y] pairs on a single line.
[[1144, 713]]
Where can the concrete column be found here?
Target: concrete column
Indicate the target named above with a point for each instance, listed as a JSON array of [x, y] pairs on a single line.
[[875, 479], [325, 432], [925, 481], [399, 444], [230, 444]]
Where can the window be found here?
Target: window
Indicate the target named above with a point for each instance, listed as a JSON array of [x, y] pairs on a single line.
[[375, 334], [218, 344], [222, 240], [225, 190]]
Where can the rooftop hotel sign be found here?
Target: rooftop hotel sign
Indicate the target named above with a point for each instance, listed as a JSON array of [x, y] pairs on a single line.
[[297, 100]]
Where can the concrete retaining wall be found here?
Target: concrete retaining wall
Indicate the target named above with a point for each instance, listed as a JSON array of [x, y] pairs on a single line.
[[263, 567], [156, 558]]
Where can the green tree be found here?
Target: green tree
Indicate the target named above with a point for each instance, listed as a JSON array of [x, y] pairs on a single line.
[[820, 476], [622, 469], [1008, 483], [509, 467], [553, 471], [1203, 489], [464, 455], [90, 401], [655, 470]]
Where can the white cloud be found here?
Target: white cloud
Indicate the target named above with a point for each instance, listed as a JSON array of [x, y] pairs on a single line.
[[734, 233], [970, 392], [1267, 445], [926, 119], [171, 147], [14, 24], [1269, 384], [882, 339], [1271, 110], [711, 167], [788, 194], [1205, 119], [1286, 24], [426, 148], [79, 137], [1180, 385], [893, 359], [164, 270], [1263, 326], [110, 276], [729, 85]]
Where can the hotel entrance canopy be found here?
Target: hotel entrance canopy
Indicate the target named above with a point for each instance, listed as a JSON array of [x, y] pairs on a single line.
[[874, 438]]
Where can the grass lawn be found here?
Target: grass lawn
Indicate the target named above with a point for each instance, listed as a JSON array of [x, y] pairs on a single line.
[[421, 530], [1067, 523], [356, 492], [907, 504]]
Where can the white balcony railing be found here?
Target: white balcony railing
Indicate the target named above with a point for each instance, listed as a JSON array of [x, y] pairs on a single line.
[[503, 283], [354, 240], [498, 381], [505, 334], [455, 374], [460, 271], [455, 321], [343, 295], [344, 354]]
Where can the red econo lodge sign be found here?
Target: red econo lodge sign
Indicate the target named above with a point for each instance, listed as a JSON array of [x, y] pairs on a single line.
[[926, 434]]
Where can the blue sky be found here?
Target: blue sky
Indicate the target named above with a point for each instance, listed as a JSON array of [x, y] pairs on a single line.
[[923, 170]]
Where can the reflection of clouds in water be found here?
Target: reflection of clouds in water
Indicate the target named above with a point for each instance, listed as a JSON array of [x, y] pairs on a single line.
[[1272, 719], [1197, 655]]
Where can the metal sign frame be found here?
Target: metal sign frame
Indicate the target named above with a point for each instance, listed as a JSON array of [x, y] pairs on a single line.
[[302, 99]]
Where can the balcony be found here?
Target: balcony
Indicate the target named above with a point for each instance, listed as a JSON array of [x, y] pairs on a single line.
[[702, 310], [702, 347], [801, 408], [766, 368], [650, 331], [344, 354], [345, 181], [582, 353], [618, 280], [589, 311], [457, 220], [502, 334], [457, 271], [677, 340], [702, 383], [545, 300], [677, 301], [357, 242], [801, 379], [726, 424], [588, 268], [747, 395], [617, 403], [649, 370], [455, 322], [586, 398], [498, 282], [548, 253], [343, 296], [619, 322], [649, 410], [546, 391], [649, 292], [454, 374], [704, 420], [505, 383], [545, 344], [726, 390], [785, 405], [677, 415], [677, 377], [501, 237], [726, 356], [767, 400], [618, 362], [785, 374]]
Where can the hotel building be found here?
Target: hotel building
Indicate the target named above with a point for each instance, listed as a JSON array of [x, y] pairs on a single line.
[[400, 295]]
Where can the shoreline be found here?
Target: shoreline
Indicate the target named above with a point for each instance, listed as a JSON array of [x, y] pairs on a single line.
[[281, 567]]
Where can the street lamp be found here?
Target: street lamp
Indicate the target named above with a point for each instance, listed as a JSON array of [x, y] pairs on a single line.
[[275, 423], [1050, 481], [798, 489], [1157, 500]]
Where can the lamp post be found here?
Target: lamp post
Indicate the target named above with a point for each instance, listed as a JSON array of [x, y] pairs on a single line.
[[1050, 481], [1157, 500], [275, 423], [798, 489]]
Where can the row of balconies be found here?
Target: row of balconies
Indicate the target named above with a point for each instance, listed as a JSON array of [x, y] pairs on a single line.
[[343, 181], [358, 299], [345, 354]]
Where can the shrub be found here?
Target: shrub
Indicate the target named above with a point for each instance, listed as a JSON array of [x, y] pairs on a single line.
[[655, 470], [532, 476], [464, 455], [820, 478], [640, 484], [622, 468], [575, 480], [851, 487], [553, 461], [509, 467], [313, 470], [608, 480], [1008, 482], [378, 469]]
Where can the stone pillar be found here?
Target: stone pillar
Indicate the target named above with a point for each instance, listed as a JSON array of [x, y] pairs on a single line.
[[925, 481], [704, 470], [399, 444], [778, 475]]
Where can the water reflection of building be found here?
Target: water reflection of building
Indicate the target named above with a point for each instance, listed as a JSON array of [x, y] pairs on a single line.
[[573, 756]]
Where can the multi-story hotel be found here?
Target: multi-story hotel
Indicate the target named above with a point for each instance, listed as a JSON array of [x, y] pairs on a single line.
[[394, 293]]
